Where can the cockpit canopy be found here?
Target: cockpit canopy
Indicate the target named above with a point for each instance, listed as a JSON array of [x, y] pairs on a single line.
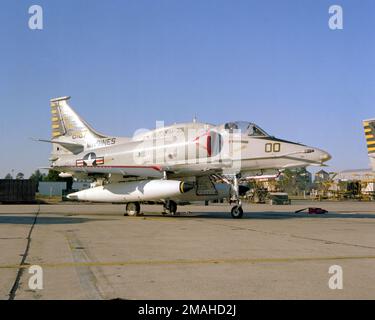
[[247, 128]]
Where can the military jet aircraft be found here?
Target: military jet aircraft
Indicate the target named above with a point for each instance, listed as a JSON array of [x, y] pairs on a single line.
[[182, 162]]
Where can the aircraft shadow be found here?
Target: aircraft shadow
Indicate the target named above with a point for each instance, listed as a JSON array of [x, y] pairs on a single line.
[[28, 220], [271, 215]]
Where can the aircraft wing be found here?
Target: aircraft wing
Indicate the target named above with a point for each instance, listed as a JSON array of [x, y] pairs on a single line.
[[142, 171], [126, 171]]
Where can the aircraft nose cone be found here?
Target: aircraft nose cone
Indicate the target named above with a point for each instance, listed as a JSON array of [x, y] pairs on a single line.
[[325, 156]]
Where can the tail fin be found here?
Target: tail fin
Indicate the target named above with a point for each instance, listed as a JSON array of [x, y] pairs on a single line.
[[369, 127], [66, 122], [69, 129]]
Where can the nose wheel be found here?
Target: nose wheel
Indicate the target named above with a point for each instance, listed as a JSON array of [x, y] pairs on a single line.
[[237, 212]]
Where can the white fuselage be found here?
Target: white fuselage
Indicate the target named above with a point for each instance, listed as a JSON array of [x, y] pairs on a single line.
[[197, 149], [159, 160]]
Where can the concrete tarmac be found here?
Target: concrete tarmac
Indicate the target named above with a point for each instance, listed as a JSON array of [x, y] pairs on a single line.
[[91, 251]]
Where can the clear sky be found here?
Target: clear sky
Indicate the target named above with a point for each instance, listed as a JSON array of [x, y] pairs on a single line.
[[127, 64]]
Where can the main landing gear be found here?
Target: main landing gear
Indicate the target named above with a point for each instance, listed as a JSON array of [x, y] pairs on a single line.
[[133, 209], [237, 211], [170, 207]]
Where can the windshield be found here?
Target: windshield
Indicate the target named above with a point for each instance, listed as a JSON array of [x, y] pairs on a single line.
[[247, 128]]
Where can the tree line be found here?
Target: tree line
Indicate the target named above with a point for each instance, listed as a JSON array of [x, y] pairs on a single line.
[[37, 176]]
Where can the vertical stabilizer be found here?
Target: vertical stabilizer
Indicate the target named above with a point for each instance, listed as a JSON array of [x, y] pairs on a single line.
[[369, 127], [69, 128]]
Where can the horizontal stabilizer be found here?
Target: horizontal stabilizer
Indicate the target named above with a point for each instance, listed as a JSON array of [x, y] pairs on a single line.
[[71, 146]]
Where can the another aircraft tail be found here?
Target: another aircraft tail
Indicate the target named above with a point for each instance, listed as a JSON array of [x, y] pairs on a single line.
[[70, 133], [369, 127]]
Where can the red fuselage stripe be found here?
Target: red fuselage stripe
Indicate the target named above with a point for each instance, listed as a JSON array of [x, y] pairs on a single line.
[[157, 168]]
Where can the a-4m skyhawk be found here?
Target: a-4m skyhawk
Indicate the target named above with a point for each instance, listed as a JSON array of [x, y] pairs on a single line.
[[182, 162]]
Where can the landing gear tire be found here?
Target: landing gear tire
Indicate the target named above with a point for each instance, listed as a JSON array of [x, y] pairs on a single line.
[[133, 209], [170, 207], [237, 212]]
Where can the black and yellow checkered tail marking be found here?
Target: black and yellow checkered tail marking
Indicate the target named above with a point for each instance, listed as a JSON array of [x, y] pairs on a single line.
[[369, 127], [56, 120]]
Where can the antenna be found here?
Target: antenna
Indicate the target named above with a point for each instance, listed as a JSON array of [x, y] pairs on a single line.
[[195, 118]]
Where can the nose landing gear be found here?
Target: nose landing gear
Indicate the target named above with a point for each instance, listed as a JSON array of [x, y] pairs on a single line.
[[237, 211]]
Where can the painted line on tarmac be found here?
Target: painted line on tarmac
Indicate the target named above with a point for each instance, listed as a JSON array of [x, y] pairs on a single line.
[[190, 261], [21, 267]]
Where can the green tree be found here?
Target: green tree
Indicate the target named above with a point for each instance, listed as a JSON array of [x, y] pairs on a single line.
[[54, 176], [8, 176], [37, 176], [20, 176]]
